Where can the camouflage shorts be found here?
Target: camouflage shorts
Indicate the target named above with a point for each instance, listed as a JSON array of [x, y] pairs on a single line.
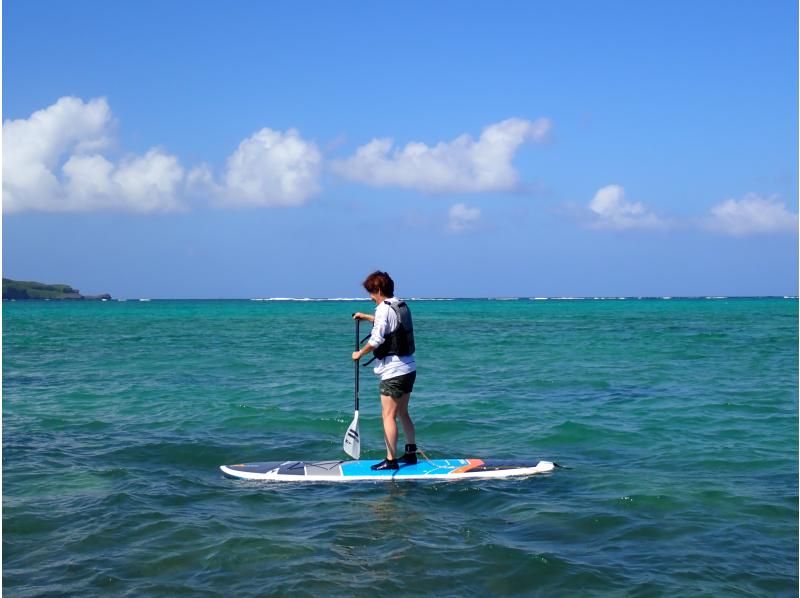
[[398, 386]]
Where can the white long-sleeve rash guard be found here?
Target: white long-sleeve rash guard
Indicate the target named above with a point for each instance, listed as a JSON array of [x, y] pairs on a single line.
[[386, 321]]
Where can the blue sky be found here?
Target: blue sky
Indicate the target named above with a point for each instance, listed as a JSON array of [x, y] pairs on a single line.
[[257, 149]]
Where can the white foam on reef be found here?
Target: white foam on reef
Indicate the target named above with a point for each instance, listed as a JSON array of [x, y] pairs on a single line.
[[310, 299], [144, 300], [609, 298]]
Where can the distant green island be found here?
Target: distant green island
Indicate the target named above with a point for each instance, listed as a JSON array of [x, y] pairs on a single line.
[[26, 290]]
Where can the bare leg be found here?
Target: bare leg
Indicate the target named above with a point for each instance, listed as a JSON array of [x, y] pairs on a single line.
[[389, 412], [405, 418]]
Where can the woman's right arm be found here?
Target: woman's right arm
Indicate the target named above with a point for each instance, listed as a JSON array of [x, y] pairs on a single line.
[[360, 316]]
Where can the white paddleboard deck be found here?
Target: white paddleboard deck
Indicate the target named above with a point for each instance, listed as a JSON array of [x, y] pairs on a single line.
[[356, 471]]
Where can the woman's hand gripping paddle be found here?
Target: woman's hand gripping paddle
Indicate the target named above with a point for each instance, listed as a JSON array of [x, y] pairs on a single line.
[[352, 441]]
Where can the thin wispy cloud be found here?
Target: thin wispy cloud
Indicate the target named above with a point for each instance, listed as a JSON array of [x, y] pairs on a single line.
[[462, 218], [752, 215], [463, 165]]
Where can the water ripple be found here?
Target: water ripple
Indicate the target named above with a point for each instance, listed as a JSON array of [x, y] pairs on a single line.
[[676, 419]]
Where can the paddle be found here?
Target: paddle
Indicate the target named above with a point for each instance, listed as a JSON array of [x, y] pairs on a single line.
[[352, 441]]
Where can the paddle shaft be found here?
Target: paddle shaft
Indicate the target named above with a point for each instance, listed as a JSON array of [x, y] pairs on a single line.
[[356, 361]]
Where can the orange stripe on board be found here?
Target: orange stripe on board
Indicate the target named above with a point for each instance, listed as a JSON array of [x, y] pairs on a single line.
[[464, 468]]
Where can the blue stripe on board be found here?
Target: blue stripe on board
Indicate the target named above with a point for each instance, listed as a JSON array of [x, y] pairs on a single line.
[[437, 466]]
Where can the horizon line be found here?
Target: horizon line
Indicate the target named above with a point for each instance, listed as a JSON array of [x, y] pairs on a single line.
[[431, 298]]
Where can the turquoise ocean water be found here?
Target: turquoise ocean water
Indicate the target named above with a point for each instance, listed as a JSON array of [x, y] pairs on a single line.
[[677, 421]]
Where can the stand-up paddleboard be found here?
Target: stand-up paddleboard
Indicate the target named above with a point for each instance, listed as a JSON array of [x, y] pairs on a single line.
[[359, 471]]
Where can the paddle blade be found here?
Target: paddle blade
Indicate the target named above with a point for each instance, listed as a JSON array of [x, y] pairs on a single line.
[[352, 440]]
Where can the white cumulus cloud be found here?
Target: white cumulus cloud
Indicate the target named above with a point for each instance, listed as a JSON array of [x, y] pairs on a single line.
[[462, 218], [460, 165], [752, 215], [269, 168], [55, 161], [52, 162], [610, 209]]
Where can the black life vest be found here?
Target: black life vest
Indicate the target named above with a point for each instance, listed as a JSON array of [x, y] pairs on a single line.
[[401, 340]]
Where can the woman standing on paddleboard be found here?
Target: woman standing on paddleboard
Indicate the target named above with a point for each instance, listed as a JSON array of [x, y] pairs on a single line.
[[392, 343]]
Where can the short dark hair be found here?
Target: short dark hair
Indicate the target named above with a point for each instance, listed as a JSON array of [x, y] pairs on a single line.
[[379, 282]]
